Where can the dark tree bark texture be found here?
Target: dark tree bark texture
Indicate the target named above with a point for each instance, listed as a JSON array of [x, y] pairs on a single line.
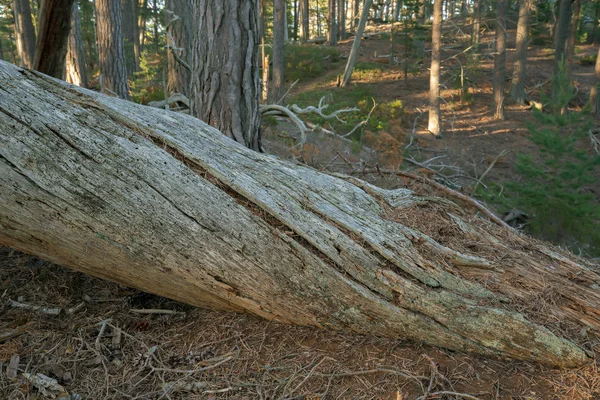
[[499, 61], [24, 32], [180, 35], [111, 55], [75, 71], [517, 89], [277, 85], [434, 124], [224, 80], [53, 36]]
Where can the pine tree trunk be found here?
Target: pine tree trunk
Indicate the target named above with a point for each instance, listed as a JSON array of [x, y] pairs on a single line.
[[279, 27], [296, 20], [434, 124], [142, 24], [356, 13], [181, 30], [356, 43], [331, 24], [75, 65], [397, 10], [165, 203], [111, 55], [155, 25], [476, 26], [304, 27], [1, 51], [224, 79], [53, 36], [562, 34], [342, 19], [129, 23], [517, 90], [499, 61], [24, 33]]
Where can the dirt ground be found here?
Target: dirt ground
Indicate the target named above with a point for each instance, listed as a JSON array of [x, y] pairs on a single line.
[[100, 347]]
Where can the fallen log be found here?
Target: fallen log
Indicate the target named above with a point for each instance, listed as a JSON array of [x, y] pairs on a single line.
[[165, 203]]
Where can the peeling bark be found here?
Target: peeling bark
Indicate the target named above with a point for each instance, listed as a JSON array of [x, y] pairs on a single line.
[[163, 202]]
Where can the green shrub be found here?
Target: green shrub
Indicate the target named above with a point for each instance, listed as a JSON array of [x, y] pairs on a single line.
[[587, 60]]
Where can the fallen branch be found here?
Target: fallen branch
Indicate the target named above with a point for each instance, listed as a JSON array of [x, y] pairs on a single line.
[[319, 110], [156, 311], [39, 309], [502, 153]]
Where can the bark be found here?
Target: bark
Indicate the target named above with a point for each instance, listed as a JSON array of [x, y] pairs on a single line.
[[517, 89], [594, 96], [562, 33], [342, 19], [434, 124], [224, 80], [304, 27], [397, 10], [499, 61], [165, 203], [155, 25], [279, 28], [142, 24], [331, 24], [53, 36], [180, 33], [356, 13], [296, 20], [75, 65], [24, 32], [111, 55], [129, 22], [476, 26], [572, 38], [356, 44]]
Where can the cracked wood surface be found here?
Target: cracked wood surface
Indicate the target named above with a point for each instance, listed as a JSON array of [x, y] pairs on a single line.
[[167, 204]]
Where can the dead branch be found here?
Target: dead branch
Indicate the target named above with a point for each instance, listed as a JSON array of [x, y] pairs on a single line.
[[39, 309], [319, 110]]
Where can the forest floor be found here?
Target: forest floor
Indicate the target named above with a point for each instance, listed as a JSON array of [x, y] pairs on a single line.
[[104, 349]]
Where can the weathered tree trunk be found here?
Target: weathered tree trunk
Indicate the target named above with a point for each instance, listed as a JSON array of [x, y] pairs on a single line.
[[224, 80], [155, 25], [517, 89], [75, 71], [111, 55], [142, 16], [53, 35], [499, 61], [279, 27], [129, 23], [180, 35], [476, 26], [594, 96], [356, 44], [341, 19], [434, 124], [165, 203], [397, 10], [24, 32]]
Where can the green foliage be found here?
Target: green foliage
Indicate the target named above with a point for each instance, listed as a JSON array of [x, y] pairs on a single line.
[[587, 60], [555, 185], [145, 86], [307, 61]]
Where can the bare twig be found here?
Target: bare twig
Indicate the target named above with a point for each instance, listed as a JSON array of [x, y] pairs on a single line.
[[502, 153], [156, 311], [39, 309], [319, 110]]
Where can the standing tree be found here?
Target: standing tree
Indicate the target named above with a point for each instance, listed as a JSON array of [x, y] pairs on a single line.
[[476, 27], [304, 27], [75, 65], [434, 125], [499, 61], [279, 28], [356, 43], [111, 55], [562, 33], [224, 70], [53, 36], [572, 38], [517, 89], [24, 32], [180, 34], [129, 35], [331, 24]]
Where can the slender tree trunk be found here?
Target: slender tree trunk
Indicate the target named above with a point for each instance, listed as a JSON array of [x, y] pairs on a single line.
[[155, 25], [53, 35], [499, 61], [75, 65], [572, 38], [163, 202], [562, 34], [304, 27], [1, 51], [296, 19], [24, 33], [517, 90], [397, 10], [342, 19], [180, 34], [318, 19], [111, 55], [136, 34], [356, 13], [332, 30], [434, 124], [277, 87], [596, 22], [476, 26], [224, 80], [129, 39], [356, 43], [142, 18], [595, 92]]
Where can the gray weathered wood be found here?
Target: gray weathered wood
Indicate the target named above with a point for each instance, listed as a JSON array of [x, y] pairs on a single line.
[[165, 203]]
